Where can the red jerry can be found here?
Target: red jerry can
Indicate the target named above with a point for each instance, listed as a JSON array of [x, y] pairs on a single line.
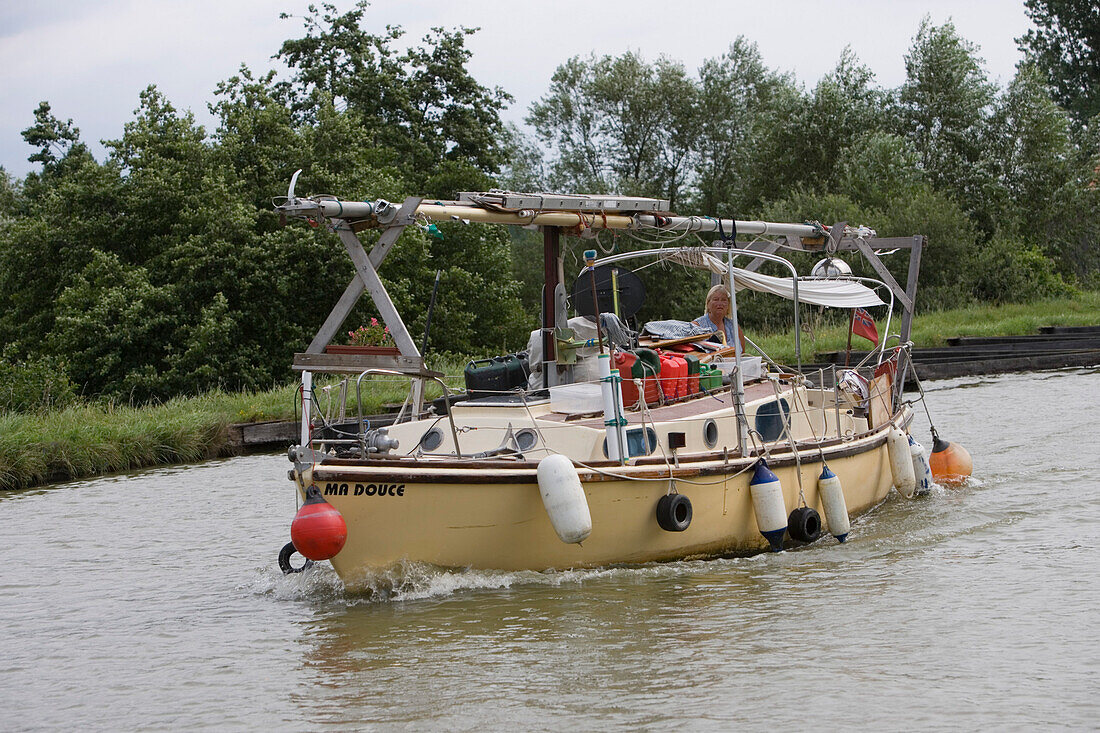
[[624, 362], [681, 366]]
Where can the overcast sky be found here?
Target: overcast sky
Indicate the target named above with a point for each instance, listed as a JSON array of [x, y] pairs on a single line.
[[91, 58]]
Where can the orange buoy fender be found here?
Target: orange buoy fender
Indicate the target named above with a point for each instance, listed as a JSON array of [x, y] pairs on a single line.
[[950, 462], [318, 530]]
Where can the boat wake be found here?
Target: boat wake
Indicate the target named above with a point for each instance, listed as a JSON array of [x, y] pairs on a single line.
[[413, 581]]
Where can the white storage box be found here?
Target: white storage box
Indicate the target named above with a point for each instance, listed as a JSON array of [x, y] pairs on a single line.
[[573, 398], [751, 366]]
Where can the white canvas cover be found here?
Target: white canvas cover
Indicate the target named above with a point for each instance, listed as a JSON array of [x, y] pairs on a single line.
[[830, 293]]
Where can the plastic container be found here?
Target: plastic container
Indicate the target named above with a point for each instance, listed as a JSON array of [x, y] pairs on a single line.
[[693, 373], [681, 367], [648, 369], [624, 361], [575, 398], [710, 377], [669, 373], [751, 366]]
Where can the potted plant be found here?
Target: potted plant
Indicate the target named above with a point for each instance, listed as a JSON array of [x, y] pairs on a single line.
[[373, 338]]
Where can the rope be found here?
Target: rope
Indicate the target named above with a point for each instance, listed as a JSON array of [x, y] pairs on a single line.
[[923, 401], [790, 437]]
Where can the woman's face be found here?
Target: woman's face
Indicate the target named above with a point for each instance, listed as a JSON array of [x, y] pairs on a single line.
[[718, 305]]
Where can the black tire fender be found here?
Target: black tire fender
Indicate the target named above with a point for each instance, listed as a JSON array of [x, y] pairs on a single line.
[[284, 560], [804, 524], [674, 512]]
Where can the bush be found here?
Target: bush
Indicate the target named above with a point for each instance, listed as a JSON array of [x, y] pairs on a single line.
[[34, 385], [1007, 271]]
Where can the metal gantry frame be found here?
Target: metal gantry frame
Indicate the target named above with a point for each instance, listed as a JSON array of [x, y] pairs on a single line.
[[347, 218]]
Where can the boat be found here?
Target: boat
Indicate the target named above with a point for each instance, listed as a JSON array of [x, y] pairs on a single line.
[[542, 464]]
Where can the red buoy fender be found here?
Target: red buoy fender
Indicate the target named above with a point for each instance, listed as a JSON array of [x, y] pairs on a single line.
[[318, 530]]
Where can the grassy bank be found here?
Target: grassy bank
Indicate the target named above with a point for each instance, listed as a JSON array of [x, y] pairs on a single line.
[[95, 439], [933, 329], [100, 438]]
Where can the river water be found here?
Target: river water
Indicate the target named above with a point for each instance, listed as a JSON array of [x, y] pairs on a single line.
[[153, 600]]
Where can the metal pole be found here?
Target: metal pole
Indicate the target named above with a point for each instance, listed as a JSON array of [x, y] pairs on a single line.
[[589, 260], [851, 325], [431, 307], [551, 245], [738, 379]]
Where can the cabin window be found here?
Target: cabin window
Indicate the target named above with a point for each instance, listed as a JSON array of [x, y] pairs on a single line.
[[638, 442], [770, 419]]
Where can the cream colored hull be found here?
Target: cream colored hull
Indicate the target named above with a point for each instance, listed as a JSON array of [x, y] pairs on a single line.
[[495, 519]]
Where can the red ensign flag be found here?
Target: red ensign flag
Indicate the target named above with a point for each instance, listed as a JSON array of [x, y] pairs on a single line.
[[863, 325]]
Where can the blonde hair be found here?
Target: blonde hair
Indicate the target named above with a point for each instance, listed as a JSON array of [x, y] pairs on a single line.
[[714, 291]]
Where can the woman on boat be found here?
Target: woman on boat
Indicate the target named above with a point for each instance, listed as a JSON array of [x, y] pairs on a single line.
[[717, 306]]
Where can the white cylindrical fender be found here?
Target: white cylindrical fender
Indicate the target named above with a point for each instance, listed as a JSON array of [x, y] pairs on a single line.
[[832, 501], [564, 499], [768, 505], [901, 462], [921, 470], [307, 402]]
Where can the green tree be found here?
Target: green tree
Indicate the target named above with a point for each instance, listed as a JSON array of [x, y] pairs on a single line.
[[256, 142], [808, 142], [1065, 45], [53, 138], [524, 168], [421, 107], [620, 125], [944, 106], [739, 101], [65, 210], [11, 194], [116, 328], [1031, 146], [879, 168]]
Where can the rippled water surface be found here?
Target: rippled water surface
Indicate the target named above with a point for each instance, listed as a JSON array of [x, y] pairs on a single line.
[[153, 600]]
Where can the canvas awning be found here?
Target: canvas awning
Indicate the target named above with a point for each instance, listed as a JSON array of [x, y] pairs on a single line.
[[830, 293]]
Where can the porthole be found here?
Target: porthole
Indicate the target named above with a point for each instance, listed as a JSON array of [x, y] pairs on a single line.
[[526, 439], [432, 439], [710, 433]]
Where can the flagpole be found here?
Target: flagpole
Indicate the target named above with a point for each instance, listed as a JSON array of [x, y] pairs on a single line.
[[851, 325]]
